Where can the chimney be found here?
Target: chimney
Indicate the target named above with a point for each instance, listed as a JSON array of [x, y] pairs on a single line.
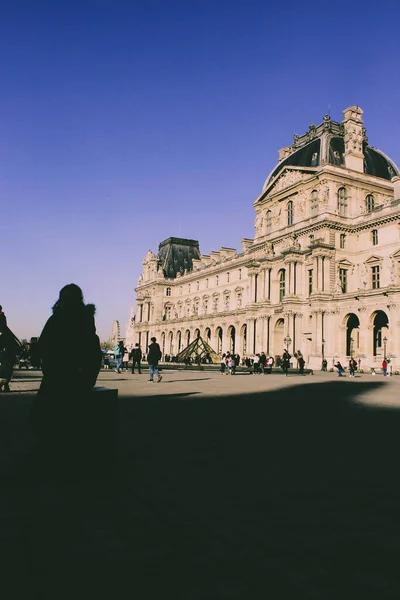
[[353, 138]]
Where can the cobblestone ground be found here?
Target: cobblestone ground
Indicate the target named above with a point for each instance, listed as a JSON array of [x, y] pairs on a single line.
[[225, 487]]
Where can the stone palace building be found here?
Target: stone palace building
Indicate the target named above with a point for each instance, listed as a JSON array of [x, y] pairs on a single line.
[[321, 274]]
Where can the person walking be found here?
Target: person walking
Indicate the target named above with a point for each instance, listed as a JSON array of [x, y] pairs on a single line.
[[153, 356], [256, 364], [286, 361], [384, 367], [223, 365], [119, 352], [301, 362], [351, 368], [136, 356], [263, 362]]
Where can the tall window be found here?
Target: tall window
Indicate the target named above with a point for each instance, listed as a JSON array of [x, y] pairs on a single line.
[[342, 202], [314, 203], [168, 291], [374, 237], [343, 240], [343, 280], [369, 203], [375, 272], [290, 213], [268, 221], [168, 312], [217, 280], [282, 284], [310, 281], [227, 277]]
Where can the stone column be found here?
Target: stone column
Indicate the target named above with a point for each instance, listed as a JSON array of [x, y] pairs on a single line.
[[251, 289], [315, 274], [250, 336], [314, 332], [260, 333]]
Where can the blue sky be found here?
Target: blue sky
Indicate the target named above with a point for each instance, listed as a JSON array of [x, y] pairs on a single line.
[[124, 123]]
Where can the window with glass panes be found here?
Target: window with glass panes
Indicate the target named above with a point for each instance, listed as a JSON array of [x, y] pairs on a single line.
[[343, 240], [282, 284], [370, 203], [375, 274], [343, 280], [310, 281], [374, 237], [290, 213]]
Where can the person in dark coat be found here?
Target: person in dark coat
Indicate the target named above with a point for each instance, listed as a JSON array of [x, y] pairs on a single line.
[[58, 413], [136, 356], [153, 356], [3, 321]]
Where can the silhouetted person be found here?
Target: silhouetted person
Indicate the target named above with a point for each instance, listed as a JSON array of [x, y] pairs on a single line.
[[7, 360], [286, 361], [153, 356], [3, 322], [136, 356], [59, 415]]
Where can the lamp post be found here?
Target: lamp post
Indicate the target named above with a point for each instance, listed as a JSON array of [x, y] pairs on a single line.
[[288, 341], [384, 347]]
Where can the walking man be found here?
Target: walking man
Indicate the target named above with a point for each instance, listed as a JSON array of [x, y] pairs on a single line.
[[136, 356], [119, 352], [153, 356]]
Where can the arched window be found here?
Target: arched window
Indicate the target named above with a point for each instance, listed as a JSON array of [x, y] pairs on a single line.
[[370, 203], [282, 284], [290, 213], [268, 221], [168, 291], [342, 202], [314, 203]]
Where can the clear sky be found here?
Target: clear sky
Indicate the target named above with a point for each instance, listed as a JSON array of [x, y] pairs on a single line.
[[123, 123]]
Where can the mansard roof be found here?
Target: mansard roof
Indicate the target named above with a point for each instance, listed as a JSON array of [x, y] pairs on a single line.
[[324, 144], [176, 255]]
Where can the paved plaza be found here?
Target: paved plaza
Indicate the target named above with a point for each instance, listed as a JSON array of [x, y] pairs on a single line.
[[246, 486]]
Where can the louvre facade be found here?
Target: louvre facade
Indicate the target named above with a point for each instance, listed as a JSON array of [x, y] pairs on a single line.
[[321, 275]]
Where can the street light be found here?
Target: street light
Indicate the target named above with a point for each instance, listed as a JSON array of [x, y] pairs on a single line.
[[288, 341], [384, 347]]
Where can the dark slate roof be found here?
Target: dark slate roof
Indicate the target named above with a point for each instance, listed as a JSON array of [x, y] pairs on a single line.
[[176, 255], [310, 151]]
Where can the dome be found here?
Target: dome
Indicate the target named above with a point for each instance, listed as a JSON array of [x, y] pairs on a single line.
[[324, 144]]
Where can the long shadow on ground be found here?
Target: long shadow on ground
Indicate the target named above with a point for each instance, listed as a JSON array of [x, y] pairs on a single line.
[[282, 494]]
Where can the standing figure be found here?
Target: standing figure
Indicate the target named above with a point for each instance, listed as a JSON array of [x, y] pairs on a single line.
[[59, 414], [286, 361], [153, 356], [351, 368], [301, 362], [136, 356], [384, 367], [119, 352], [3, 323]]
